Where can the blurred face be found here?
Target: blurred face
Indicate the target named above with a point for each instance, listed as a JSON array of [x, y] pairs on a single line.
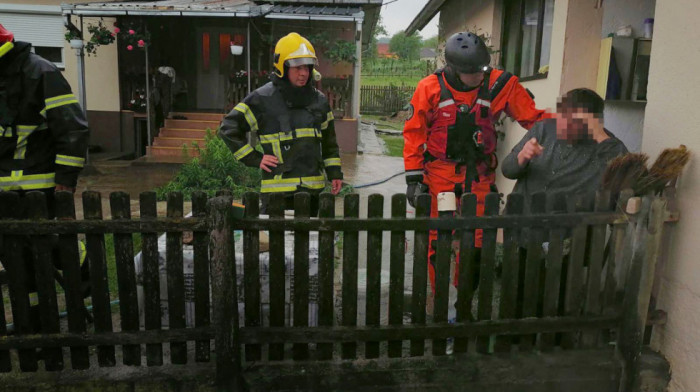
[[471, 79], [575, 123], [299, 75]]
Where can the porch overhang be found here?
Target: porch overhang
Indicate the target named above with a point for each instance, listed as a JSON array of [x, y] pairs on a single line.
[[425, 15], [209, 8], [332, 14]]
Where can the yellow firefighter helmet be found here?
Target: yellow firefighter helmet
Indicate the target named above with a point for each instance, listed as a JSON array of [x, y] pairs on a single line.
[[293, 50]]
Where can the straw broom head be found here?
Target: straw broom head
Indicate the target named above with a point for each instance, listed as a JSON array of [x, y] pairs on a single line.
[[624, 172], [667, 167]]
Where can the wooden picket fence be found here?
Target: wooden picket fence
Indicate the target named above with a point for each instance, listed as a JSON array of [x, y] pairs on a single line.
[[384, 99], [602, 297]]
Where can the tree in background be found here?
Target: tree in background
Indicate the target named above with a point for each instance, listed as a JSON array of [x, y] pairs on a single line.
[[379, 31], [407, 47], [431, 42]]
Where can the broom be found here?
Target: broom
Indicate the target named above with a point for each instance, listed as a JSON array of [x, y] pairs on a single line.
[[624, 172], [667, 167]]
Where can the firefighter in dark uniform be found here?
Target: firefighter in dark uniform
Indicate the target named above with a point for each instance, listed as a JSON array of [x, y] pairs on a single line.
[[43, 138], [44, 132], [294, 123]]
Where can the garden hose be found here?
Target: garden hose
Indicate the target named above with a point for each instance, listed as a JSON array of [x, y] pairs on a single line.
[[378, 182]]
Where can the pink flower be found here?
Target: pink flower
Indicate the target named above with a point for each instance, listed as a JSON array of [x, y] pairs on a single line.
[[132, 32], [129, 47], [117, 30], [113, 35], [141, 43]]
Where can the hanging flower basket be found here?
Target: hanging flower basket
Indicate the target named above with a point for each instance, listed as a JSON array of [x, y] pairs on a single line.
[[99, 35]]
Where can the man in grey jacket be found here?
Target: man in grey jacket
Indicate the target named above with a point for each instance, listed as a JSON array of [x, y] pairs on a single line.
[[567, 153]]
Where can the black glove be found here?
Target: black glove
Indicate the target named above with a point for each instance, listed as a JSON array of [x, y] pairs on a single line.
[[414, 190]]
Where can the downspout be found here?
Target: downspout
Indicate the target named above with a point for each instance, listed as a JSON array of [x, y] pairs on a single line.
[[247, 54], [357, 67]]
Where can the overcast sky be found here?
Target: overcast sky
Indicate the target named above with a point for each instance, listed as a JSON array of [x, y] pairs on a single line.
[[398, 14]]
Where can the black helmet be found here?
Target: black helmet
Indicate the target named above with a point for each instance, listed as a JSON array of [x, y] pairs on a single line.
[[466, 53]]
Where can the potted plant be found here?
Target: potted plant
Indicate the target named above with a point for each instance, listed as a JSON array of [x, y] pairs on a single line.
[[76, 41], [100, 35]]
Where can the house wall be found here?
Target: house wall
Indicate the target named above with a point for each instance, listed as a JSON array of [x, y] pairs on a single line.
[[626, 119], [456, 16], [546, 90], [582, 46], [669, 121]]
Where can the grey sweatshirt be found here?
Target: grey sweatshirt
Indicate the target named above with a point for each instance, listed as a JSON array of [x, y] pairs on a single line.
[[562, 167]]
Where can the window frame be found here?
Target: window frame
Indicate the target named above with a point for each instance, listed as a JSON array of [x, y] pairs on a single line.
[[507, 20], [60, 65]]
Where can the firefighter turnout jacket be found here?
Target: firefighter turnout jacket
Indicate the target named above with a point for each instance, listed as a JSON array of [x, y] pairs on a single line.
[[43, 131], [440, 115], [302, 137]]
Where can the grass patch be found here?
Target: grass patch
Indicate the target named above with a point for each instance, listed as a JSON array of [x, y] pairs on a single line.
[[394, 145]]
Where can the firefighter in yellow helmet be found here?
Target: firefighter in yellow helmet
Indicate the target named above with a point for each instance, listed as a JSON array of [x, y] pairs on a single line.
[[294, 123]]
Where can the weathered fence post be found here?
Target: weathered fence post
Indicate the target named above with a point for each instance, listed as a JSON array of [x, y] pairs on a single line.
[[225, 295], [447, 205], [647, 239]]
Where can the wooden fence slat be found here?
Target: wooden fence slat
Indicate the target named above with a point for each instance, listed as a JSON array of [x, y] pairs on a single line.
[[553, 270], [151, 278], [467, 270], [251, 274], [375, 209], [200, 244], [443, 256], [326, 262], [301, 273], [126, 277], [18, 278], [615, 264], [95, 244], [70, 264], [351, 210], [277, 270], [533, 264], [574, 296], [5, 359], [176, 279], [487, 271], [595, 268], [396, 272], [638, 290], [510, 268], [224, 295], [420, 273], [42, 254]]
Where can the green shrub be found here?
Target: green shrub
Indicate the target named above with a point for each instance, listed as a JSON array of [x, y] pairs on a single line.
[[215, 169]]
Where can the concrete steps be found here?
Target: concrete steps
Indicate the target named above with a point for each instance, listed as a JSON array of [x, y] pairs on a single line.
[[184, 132], [200, 116], [192, 124], [160, 151], [177, 142]]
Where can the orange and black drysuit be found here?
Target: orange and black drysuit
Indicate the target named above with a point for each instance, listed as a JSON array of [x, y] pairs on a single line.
[[450, 135]]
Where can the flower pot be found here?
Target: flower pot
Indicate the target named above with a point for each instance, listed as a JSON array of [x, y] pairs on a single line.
[[236, 50], [77, 43]]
